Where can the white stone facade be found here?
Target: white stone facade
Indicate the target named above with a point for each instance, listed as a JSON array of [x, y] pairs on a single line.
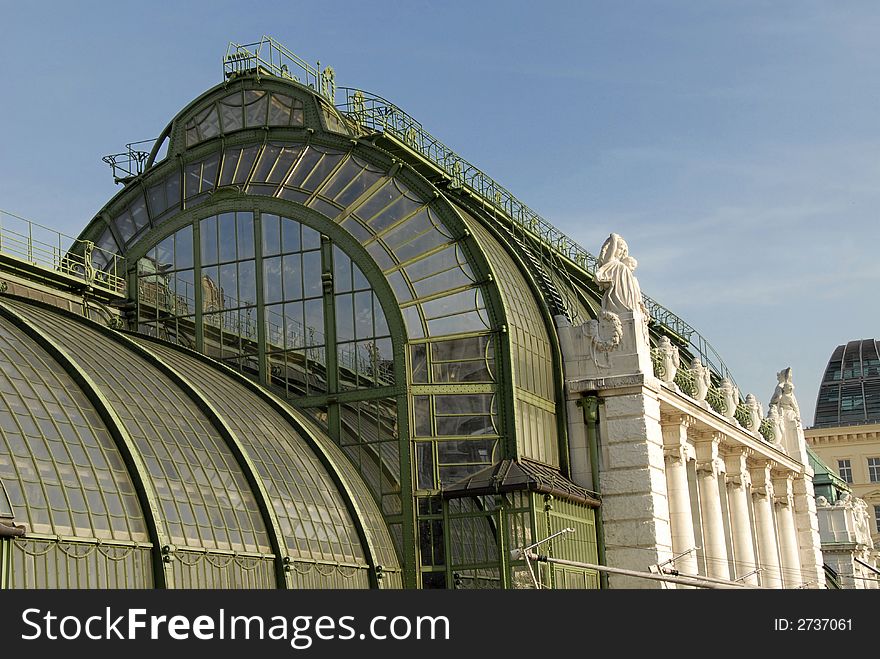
[[847, 546], [684, 485]]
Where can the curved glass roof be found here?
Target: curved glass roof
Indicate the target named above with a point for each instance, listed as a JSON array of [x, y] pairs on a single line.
[[224, 467], [59, 464], [850, 389]]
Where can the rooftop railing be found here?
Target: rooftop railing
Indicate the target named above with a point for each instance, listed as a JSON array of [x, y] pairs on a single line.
[[46, 248], [378, 114]]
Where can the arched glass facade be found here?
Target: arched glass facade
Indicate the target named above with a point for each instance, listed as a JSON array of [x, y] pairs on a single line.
[[276, 238]]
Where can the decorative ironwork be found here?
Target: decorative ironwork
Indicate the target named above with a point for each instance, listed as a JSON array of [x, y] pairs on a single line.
[[744, 417], [46, 248], [130, 163], [766, 430], [716, 400]]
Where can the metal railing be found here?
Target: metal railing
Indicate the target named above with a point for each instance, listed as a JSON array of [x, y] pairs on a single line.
[[46, 248], [375, 112], [269, 56], [686, 382]]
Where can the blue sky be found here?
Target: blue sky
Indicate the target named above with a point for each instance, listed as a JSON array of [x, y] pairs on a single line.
[[735, 146]]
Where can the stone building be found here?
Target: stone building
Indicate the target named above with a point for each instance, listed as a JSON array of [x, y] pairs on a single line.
[[846, 436]]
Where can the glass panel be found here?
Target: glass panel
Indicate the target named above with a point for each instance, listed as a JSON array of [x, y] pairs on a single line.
[[321, 170], [271, 234], [341, 178], [183, 248], [231, 112], [290, 235], [226, 239], [208, 232], [59, 474], [279, 110], [267, 161], [208, 123], [255, 103], [292, 276], [303, 168], [245, 227], [366, 179]]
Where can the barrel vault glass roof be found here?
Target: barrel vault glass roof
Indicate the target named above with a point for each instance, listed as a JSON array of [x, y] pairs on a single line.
[[104, 440]]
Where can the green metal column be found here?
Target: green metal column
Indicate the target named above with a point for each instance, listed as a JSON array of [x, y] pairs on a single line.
[[333, 413], [261, 298], [590, 405], [197, 285], [5, 562]]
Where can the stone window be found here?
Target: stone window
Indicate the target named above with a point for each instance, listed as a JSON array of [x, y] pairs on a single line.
[[874, 470], [844, 468]]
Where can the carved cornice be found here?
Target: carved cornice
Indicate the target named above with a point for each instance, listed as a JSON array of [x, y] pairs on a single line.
[[677, 419], [735, 436]]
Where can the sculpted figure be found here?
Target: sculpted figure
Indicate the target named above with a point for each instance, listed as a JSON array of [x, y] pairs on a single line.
[[730, 393], [669, 358], [756, 413], [621, 292], [702, 379], [783, 395], [776, 424]]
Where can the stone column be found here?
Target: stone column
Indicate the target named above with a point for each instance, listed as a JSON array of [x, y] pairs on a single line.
[[807, 524], [738, 486], [676, 452], [787, 534], [714, 542], [768, 551]]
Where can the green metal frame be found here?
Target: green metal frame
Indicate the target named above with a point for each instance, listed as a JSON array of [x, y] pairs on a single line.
[[549, 326], [364, 261]]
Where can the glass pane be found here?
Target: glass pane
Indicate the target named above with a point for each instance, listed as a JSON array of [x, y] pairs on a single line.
[[247, 283], [255, 103], [266, 162], [311, 267], [183, 248], [272, 280], [271, 234], [293, 276], [226, 227], [341, 271], [231, 112], [344, 318], [208, 231], [279, 110], [245, 225]]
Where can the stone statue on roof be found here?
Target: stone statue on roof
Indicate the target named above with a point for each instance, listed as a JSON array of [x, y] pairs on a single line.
[[621, 291]]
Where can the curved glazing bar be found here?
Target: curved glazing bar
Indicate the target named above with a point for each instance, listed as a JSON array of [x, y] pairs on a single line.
[[206, 501], [58, 462], [312, 515]]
